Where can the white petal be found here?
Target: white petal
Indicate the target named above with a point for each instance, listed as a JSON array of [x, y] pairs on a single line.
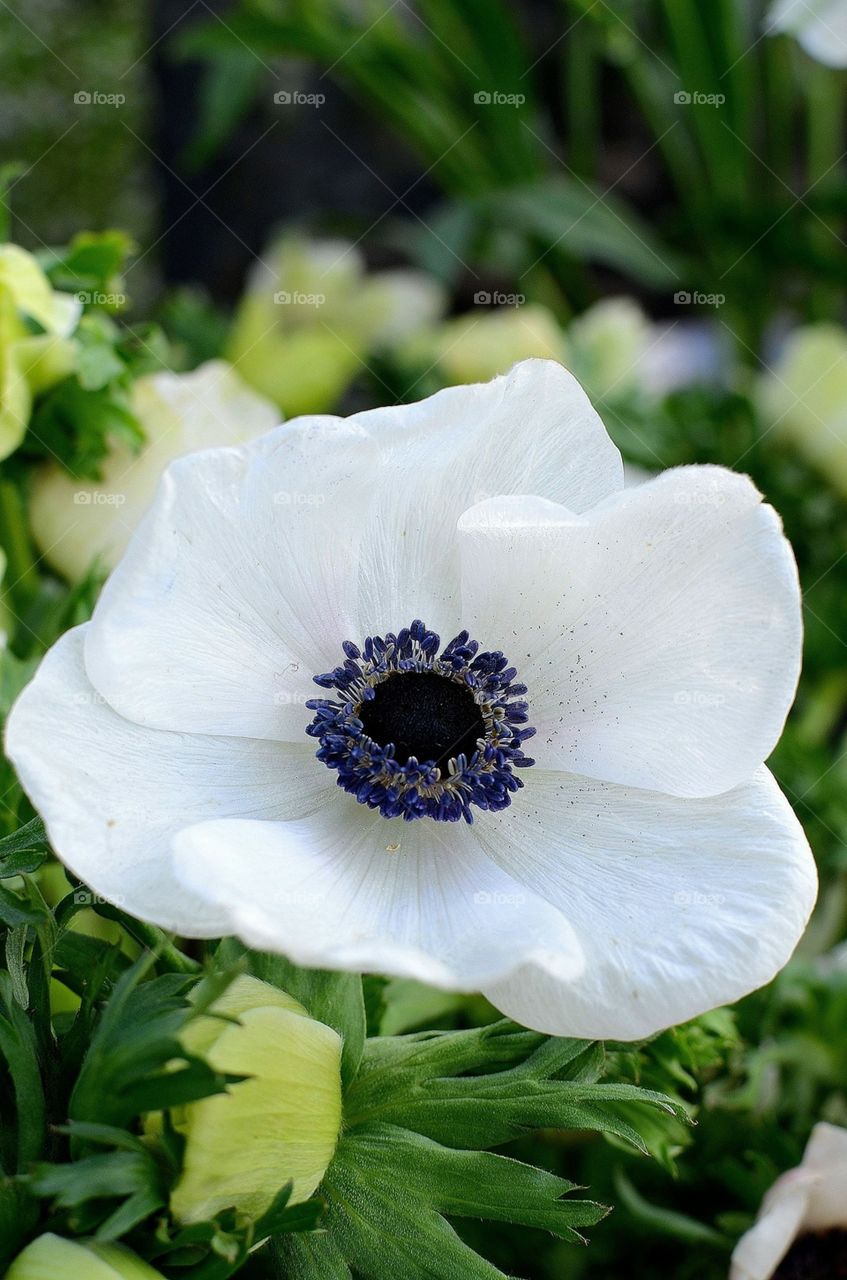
[[826, 1157], [239, 585], [112, 793], [812, 1197], [819, 25], [679, 905], [530, 431], [348, 889], [761, 1249], [659, 634]]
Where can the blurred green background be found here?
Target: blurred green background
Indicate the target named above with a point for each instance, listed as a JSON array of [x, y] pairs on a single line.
[[653, 191]]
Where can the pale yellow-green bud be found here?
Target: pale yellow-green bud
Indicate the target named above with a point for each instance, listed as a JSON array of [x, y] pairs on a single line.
[[804, 398], [30, 362], [76, 522], [281, 1124], [52, 1257], [478, 345], [311, 315], [607, 346]]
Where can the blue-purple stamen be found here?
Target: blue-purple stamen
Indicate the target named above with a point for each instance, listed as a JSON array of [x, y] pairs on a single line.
[[463, 712]]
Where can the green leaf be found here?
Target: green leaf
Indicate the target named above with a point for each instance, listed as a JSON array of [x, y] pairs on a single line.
[[97, 362], [92, 261], [585, 223], [666, 1222], [79, 426], [388, 1190], [128, 1068], [15, 911], [411, 1081], [24, 850], [9, 174], [19, 1048]]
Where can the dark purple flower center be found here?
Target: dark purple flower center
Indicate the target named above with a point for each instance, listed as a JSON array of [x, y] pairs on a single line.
[[425, 715], [418, 733], [815, 1257]]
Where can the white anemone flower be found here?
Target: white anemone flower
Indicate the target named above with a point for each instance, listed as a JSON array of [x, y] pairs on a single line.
[[819, 26], [647, 869], [801, 1230]]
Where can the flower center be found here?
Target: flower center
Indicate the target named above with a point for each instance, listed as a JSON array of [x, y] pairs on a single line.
[[418, 733], [425, 715], [815, 1257]]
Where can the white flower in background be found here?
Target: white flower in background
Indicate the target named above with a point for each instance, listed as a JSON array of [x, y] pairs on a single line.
[[801, 1230], [311, 315], [607, 344], [820, 26], [648, 868], [618, 352], [77, 522], [803, 398]]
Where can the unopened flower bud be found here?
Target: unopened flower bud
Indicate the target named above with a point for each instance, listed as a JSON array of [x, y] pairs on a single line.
[[281, 1124], [52, 1257]]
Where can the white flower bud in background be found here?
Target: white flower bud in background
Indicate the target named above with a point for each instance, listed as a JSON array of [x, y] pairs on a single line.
[[608, 343], [807, 1201], [803, 398], [311, 315], [52, 1257], [618, 352], [819, 26], [487, 341], [76, 522], [282, 1123]]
